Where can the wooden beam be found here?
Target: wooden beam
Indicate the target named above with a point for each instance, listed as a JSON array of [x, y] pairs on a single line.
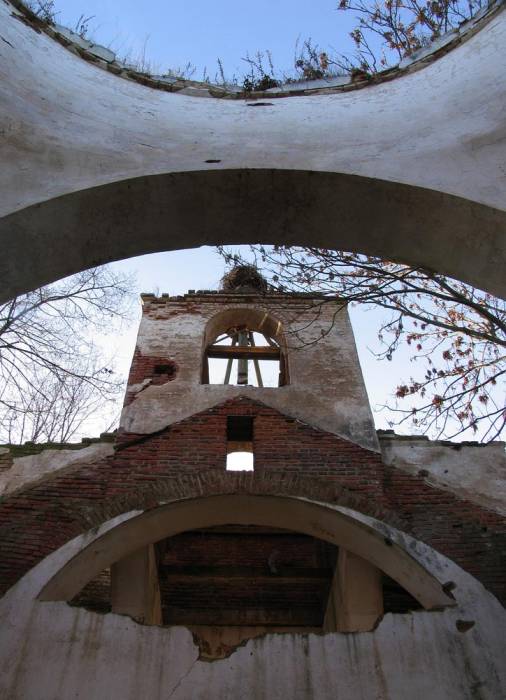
[[229, 363], [246, 572], [255, 362], [224, 352], [242, 363], [355, 601], [135, 588]]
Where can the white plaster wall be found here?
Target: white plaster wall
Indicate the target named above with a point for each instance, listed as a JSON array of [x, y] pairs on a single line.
[[441, 127], [326, 386], [474, 472], [33, 468], [50, 651]]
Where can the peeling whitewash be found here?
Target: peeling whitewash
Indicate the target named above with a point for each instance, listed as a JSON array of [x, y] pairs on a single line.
[[471, 471], [326, 386], [26, 471], [51, 651]]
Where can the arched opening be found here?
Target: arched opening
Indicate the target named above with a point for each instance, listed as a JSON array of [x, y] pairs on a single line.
[[231, 582], [245, 347], [323, 521], [186, 209], [234, 567]]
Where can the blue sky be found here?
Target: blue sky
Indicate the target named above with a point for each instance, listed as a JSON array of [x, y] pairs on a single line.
[[201, 31]]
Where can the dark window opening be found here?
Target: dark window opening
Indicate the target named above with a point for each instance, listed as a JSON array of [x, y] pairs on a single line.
[[239, 428], [163, 373]]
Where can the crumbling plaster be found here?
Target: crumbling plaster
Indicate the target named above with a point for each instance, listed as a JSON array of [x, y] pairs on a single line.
[[326, 387], [472, 471], [26, 471], [89, 655], [97, 168]]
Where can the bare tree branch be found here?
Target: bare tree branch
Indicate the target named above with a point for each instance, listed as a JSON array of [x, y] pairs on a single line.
[[53, 375], [457, 333]]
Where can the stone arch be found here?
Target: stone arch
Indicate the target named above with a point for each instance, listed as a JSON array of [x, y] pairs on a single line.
[[302, 515], [188, 209]]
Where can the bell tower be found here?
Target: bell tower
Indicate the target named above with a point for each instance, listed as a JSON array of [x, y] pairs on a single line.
[[293, 352]]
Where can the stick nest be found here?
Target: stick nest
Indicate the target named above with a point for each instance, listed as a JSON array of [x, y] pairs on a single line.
[[243, 278]]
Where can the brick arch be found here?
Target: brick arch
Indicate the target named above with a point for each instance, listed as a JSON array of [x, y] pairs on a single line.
[[296, 514], [255, 318], [148, 470], [37, 521], [216, 482]]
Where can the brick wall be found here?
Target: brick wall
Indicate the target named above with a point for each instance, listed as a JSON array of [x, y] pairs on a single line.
[[158, 370], [188, 459]]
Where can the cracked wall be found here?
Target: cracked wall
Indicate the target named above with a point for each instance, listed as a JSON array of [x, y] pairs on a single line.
[[420, 655]]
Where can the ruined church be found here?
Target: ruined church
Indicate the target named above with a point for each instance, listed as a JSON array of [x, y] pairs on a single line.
[[246, 532]]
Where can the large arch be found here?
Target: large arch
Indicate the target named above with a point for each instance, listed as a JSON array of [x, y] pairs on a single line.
[[97, 168], [317, 519], [443, 655], [182, 210]]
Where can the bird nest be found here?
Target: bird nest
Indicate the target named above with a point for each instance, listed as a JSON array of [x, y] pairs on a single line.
[[243, 278]]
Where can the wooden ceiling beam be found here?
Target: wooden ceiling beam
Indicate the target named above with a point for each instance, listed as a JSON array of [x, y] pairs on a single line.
[[225, 352]]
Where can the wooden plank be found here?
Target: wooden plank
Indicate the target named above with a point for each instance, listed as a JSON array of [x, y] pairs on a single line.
[[224, 352], [255, 362], [248, 572]]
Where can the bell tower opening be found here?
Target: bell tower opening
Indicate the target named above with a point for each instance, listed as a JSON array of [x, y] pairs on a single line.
[[243, 357]]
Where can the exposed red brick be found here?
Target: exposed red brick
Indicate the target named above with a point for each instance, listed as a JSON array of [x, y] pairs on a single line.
[[158, 370], [291, 458]]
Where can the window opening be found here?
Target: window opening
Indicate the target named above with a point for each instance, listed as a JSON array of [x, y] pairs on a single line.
[[239, 443], [240, 462], [244, 357]]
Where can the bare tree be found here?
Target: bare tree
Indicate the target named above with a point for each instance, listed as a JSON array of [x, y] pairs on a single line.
[[455, 332], [53, 373], [44, 9]]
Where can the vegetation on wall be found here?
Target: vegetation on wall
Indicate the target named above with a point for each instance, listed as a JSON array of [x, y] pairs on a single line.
[[386, 31]]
